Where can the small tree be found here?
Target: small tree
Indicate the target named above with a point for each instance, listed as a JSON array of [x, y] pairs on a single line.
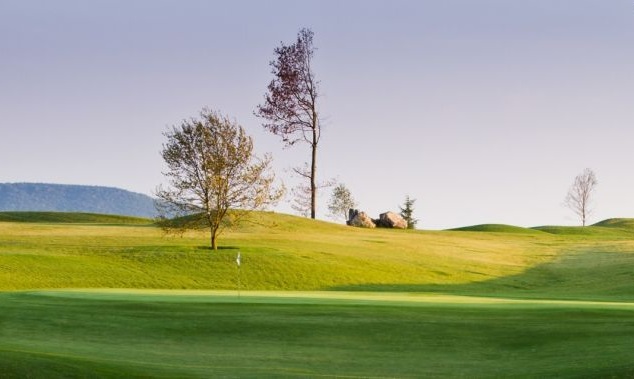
[[300, 202], [407, 212], [341, 201], [290, 105], [580, 194], [212, 173]]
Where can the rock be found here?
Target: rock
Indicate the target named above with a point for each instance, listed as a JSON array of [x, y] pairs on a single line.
[[391, 220], [352, 213], [362, 220], [385, 220]]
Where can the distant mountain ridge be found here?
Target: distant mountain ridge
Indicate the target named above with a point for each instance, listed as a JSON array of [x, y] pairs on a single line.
[[74, 198]]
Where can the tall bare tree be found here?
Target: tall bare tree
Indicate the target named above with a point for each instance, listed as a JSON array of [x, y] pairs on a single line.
[[214, 177], [580, 194], [290, 105]]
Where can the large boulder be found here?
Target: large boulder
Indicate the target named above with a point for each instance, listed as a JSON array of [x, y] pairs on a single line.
[[391, 220], [352, 213], [361, 219]]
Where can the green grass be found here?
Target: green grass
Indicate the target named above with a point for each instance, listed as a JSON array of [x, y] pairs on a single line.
[[496, 228], [218, 335], [483, 301], [621, 223], [281, 252], [72, 218], [616, 228]]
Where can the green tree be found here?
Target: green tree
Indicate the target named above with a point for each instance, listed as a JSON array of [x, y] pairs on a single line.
[[407, 212], [290, 105], [214, 177], [341, 201]]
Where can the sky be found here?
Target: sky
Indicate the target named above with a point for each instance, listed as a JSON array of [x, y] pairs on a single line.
[[484, 111]]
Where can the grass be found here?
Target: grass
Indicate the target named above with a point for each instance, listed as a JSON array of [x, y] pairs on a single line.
[[74, 218], [190, 334], [484, 301], [496, 228], [281, 252]]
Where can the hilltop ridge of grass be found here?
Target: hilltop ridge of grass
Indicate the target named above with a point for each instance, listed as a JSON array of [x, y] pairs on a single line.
[[623, 223], [70, 218], [615, 227], [495, 228]]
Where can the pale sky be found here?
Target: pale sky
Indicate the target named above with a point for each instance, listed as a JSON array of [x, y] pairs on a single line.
[[482, 110]]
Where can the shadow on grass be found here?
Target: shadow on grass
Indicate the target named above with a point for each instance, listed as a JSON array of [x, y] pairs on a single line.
[[588, 275], [208, 248]]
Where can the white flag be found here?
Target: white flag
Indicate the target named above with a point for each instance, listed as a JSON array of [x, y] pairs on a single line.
[[238, 259]]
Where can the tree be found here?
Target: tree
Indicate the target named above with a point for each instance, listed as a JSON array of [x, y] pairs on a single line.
[[407, 212], [300, 202], [580, 194], [302, 199], [290, 105], [341, 201], [214, 177]]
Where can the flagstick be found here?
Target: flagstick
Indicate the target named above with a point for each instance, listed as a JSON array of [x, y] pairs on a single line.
[[238, 262]]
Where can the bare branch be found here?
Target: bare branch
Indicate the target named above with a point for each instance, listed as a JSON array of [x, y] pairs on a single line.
[[580, 195], [290, 106]]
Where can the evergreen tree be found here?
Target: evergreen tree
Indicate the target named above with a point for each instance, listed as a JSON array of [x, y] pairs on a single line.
[[407, 212]]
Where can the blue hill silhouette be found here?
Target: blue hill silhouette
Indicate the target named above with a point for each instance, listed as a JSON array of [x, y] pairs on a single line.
[[74, 198]]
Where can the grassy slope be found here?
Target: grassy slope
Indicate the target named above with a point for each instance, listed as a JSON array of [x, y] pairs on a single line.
[[191, 334], [496, 228], [281, 252], [278, 252]]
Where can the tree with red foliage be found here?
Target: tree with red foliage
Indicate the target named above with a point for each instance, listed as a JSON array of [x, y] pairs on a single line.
[[290, 106]]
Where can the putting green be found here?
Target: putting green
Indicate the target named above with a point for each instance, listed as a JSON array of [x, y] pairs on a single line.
[[164, 333], [320, 297]]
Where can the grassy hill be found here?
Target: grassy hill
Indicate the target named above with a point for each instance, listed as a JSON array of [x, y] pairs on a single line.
[[495, 228], [625, 223], [617, 228], [282, 252], [71, 218], [96, 296]]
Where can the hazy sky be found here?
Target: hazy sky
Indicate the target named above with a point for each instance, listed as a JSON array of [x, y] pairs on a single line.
[[482, 110]]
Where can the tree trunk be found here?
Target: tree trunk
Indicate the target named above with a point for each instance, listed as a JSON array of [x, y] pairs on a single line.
[[214, 243], [313, 169]]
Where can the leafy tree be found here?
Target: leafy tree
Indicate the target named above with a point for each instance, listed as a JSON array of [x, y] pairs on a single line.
[[211, 170], [290, 106], [407, 212], [580, 194], [341, 201]]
